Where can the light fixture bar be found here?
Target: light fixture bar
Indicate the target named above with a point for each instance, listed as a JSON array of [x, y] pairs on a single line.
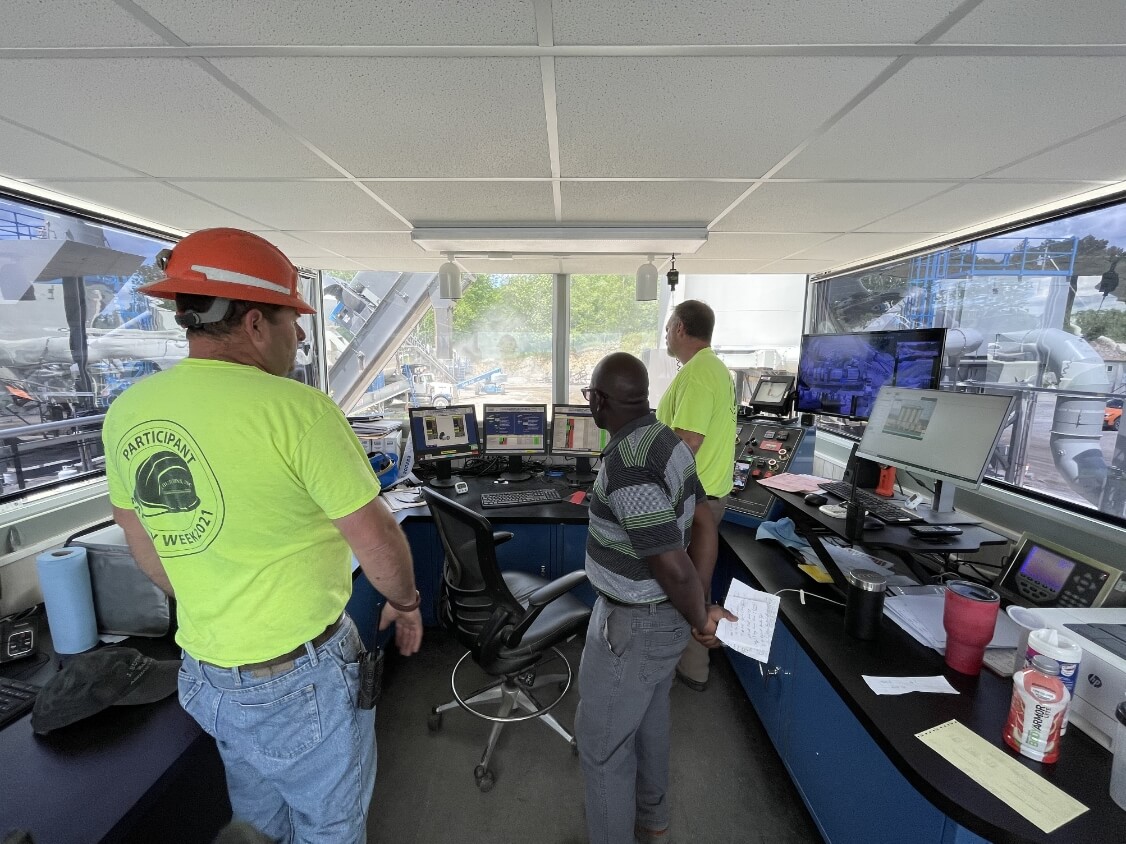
[[561, 239]]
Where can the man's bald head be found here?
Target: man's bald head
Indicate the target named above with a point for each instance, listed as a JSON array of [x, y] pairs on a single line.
[[623, 379]]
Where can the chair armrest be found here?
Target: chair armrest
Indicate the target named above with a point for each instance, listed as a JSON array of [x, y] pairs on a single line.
[[501, 536], [540, 599], [560, 586]]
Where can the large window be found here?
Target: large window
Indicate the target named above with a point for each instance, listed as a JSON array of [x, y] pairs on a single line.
[[605, 317], [74, 333], [1036, 312]]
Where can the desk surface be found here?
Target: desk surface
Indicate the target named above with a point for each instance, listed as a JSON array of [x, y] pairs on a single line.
[[564, 512], [94, 780], [1083, 770]]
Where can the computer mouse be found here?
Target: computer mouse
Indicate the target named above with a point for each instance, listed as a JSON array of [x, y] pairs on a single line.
[[816, 499]]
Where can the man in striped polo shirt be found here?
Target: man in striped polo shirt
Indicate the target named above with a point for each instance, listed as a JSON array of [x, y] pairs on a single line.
[[650, 532]]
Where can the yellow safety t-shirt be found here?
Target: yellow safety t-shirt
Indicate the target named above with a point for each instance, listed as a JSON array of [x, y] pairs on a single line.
[[701, 399], [237, 475]]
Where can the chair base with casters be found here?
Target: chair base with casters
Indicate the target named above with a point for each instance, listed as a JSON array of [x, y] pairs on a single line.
[[511, 623], [512, 693]]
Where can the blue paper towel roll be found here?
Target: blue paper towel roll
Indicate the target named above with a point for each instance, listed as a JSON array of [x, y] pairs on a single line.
[[64, 579]]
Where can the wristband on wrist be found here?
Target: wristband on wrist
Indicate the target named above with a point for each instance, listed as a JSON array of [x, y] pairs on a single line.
[[411, 607]]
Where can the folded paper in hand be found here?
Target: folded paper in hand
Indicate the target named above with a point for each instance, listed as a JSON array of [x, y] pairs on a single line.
[[757, 612]]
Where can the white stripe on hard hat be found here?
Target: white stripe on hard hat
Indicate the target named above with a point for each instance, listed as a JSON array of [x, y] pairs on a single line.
[[219, 274]]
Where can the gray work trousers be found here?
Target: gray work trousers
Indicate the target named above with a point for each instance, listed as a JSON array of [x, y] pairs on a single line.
[[623, 721]]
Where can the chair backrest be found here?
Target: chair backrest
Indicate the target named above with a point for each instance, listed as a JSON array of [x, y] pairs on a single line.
[[474, 601]]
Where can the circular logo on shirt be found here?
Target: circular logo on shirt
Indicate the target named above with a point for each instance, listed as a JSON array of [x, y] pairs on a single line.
[[175, 492]]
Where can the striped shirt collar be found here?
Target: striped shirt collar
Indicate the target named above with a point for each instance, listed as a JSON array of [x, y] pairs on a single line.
[[649, 418]]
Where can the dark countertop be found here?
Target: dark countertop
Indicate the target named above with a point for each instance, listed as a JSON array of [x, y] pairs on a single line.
[[1083, 770], [564, 512]]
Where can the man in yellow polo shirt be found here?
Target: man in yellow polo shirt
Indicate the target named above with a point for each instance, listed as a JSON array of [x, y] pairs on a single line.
[[699, 405], [245, 494]]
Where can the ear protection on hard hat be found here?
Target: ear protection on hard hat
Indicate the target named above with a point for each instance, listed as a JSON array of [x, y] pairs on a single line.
[[215, 313], [228, 264]]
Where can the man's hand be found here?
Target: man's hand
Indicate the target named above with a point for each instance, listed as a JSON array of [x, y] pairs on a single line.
[[408, 628], [706, 637]]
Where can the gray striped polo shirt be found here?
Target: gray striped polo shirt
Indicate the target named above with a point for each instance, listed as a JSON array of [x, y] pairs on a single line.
[[642, 504]]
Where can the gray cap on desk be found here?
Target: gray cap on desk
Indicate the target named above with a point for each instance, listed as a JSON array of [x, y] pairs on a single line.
[[91, 682]]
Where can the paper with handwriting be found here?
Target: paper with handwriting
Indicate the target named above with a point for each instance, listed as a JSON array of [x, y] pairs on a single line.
[[757, 612]]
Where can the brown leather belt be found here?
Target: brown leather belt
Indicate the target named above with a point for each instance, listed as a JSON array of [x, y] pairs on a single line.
[[283, 663]]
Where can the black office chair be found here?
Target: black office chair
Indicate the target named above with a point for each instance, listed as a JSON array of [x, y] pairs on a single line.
[[508, 620]]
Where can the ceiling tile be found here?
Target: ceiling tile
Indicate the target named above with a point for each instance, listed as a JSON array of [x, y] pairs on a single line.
[[409, 116], [364, 244], [331, 262], [800, 266], [821, 206], [696, 203], [1099, 155], [740, 22], [960, 117], [159, 116], [344, 22], [853, 247], [153, 201], [469, 202], [337, 206], [293, 245], [75, 23], [30, 156], [709, 117], [972, 204], [1039, 22], [757, 247]]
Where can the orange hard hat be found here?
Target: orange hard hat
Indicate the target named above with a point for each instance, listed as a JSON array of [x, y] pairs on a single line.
[[229, 264]]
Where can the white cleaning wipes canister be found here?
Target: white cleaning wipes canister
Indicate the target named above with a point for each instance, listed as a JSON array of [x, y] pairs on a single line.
[[1067, 654]]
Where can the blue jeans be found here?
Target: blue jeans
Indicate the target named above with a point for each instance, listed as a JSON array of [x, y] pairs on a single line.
[[622, 722], [299, 755]]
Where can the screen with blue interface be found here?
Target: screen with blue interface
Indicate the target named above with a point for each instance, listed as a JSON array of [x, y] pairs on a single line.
[[515, 428], [841, 374]]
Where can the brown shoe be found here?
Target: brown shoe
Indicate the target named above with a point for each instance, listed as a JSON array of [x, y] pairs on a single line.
[[644, 835]]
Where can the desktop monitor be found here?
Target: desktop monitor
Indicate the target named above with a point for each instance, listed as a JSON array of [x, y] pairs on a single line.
[[440, 434], [575, 434], [945, 436], [841, 374], [773, 394], [514, 430]]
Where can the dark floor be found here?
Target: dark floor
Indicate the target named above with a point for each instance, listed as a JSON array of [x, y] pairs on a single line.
[[728, 783]]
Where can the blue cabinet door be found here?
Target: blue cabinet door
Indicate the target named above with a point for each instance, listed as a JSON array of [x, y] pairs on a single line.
[[768, 684], [851, 788], [531, 549], [426, 549], [573, 558]]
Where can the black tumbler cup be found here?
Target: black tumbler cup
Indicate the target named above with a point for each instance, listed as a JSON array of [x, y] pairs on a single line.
[[865, 603]]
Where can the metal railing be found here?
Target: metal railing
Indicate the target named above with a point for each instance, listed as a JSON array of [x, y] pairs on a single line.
[[19, 444]]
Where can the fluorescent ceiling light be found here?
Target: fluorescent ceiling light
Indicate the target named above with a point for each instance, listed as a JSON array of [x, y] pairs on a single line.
[[556, 240]]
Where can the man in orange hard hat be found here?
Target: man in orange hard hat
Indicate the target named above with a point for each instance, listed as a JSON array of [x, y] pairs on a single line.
[[245, 494]]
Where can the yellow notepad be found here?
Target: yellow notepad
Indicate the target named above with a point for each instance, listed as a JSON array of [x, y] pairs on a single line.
[[1002, 776]]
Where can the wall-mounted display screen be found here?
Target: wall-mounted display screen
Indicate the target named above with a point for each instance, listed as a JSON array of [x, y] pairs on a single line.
[[840, 374]]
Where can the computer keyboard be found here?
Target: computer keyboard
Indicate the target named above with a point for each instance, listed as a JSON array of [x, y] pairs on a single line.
[[16, 698], [521, 497], [880, 508]]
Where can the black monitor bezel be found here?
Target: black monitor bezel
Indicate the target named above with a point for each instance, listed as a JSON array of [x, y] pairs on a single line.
[[898, 335], [484, 434], [569, 452], [774, 405], [424, 454]]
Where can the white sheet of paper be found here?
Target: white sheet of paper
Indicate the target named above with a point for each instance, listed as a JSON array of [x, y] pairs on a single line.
[[903, 685], [757, 612]]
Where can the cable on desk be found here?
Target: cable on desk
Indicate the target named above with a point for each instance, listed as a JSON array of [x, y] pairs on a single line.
[[803, 595]]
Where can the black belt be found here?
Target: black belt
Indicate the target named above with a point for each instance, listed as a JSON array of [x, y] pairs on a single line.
[[620, 603]]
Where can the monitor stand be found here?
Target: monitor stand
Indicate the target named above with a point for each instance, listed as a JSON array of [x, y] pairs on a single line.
[[941, 510], [582, 474], [445, 477], [515, 470]]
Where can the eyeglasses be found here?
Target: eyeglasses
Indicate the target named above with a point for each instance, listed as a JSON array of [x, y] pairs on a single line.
[[586, 391]]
